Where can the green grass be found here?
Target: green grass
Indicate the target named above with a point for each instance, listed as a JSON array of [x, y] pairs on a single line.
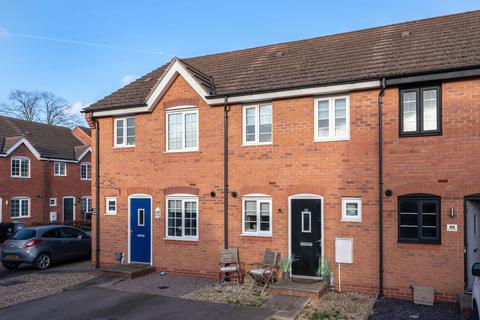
[[328, 315]]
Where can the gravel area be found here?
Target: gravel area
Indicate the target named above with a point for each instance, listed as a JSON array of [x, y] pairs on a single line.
[[23, 288], [165, 285], [338, 306], [241, 295], [396, 309]]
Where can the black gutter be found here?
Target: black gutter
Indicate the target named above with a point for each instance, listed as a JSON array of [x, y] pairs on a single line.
[[226, 109], [97, 191], [380, 185]]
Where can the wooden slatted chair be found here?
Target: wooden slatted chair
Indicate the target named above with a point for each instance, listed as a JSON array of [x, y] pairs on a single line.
[[229, 266], [265, 272]]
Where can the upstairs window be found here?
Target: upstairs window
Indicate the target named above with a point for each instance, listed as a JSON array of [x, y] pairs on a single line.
[[182, 130], [257, 124], [124, 132], [420, 111], [60, 168], [332, 119], [85, 171], [20, 167], [419, 219]]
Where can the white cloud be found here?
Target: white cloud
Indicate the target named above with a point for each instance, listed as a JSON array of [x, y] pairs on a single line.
[[76, 107], [128, 78]]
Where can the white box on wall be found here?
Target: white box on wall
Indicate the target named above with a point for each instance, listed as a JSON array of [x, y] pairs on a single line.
[[343, 250], [53, 216]]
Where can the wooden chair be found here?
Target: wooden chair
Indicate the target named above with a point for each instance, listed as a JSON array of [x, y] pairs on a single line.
[[229, 266], [266, 272]]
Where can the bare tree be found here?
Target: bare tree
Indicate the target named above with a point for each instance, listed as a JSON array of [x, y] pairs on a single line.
[[23, 105], [40, 106]]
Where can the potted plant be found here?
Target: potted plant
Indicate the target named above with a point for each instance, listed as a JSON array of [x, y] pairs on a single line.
[[323, 270], [286, 266]]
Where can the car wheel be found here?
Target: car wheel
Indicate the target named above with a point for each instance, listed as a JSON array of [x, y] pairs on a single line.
[[10, 265], [475, 315], [43, 261]]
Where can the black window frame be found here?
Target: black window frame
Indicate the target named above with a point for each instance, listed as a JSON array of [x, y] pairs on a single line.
[[420, 198], [419, 109]]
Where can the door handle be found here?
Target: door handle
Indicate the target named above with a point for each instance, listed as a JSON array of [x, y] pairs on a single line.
[[318, 241]]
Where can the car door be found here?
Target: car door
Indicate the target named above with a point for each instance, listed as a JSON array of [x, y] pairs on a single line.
[[53, 243], [74, 241]]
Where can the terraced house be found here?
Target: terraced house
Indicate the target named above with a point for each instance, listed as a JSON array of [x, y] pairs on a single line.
[[361, 147], [45, 172]]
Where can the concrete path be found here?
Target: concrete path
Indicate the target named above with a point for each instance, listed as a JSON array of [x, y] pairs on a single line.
[[95, 303]]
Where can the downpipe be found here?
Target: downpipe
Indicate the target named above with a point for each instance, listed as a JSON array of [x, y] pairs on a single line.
[[380, 185]]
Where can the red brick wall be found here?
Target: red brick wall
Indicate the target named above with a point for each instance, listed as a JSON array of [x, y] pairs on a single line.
[[295, 164], [41, 186]]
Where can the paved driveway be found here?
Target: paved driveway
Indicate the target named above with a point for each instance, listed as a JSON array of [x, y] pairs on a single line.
[[96, 303]]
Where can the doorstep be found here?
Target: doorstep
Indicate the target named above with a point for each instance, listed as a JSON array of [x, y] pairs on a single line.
[[299, 288], [130, 270]]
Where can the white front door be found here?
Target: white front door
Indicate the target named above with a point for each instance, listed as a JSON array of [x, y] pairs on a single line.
[[472, 238]]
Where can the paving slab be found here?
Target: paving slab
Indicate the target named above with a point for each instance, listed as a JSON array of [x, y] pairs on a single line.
[[286, 307], [102, 303]]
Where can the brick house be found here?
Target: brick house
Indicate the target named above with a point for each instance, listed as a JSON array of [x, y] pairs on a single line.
[[362, 143], [45, 172]]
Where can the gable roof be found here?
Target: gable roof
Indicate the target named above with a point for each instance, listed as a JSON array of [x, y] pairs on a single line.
[[45, 141], [422, 46]]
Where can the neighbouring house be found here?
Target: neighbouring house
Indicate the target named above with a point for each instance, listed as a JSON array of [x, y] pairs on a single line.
[[281, 147], [45, 172]]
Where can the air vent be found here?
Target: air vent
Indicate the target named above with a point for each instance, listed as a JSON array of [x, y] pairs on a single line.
[[405, 34], [279, 54]]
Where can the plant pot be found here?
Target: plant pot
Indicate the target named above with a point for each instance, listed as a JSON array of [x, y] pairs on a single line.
[[285, 275]]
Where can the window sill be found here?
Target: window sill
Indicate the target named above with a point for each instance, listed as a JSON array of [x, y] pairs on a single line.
[[416, 134], [351, 220], [182, 151], [181, 239], [85, 179], [111, 214], [59, 175], [123, 147], [434, 242], [25, 217], [331, 139], [15, 177], [257, 144], [256, 235]]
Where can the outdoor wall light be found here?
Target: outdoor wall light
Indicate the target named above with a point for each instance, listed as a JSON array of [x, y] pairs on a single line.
[[388, 193], [157, 213], [452, 212], [213, 194], [234, 194]]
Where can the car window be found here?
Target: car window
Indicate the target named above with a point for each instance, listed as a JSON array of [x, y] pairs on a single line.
[[54, 233], [71, 233], [25, 234]]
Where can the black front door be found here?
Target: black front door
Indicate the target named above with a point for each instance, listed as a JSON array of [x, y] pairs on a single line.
[[67, 209], [306, 236]]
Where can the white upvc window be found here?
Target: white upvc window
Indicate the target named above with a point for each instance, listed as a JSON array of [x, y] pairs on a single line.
[[257, 215], [86, 207], [257, 124], [182, 130], [124, 132], [53, 202], [60, 168], [332, 118], [85, 171], [20, 167], [20, 207], [352, 209], [182, 217], [110, 205]]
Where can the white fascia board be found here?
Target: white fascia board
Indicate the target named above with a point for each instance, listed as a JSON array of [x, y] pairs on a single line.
[[315, 91], [20, 142]]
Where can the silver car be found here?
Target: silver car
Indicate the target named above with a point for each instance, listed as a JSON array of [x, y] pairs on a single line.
[[41, 246]]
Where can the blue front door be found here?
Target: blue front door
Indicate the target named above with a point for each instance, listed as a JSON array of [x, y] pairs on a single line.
[[140, 230]]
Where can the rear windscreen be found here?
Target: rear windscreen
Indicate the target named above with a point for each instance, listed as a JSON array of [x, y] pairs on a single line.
[[24, 234]]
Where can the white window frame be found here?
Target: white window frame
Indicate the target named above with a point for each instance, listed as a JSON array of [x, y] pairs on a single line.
[[59, 174], [88, 200], [21, 213], [184, 111], [355, 200], [331, 119], [184, 198], [259, 198], [89, 168], [20, 172], [256, 142], [52, 202], [124, 144], [109, 212]]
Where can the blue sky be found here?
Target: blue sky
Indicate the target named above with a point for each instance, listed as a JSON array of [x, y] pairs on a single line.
[[101, 45]]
